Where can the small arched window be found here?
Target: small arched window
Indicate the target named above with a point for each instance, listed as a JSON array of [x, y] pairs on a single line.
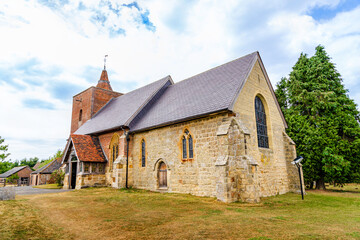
[[261, 127], [184, 152], [191, 149], [80, 115], [143, 153]]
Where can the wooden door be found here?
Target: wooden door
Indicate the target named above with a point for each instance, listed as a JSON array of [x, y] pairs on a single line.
[[162, 175]]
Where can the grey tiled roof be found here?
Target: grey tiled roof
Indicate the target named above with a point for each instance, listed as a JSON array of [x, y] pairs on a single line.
[[163, 102], [50, 167], [121, 110], [207, 92], [11, 172]]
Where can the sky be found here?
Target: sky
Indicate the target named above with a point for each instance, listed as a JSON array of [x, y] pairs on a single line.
[[52, 49]]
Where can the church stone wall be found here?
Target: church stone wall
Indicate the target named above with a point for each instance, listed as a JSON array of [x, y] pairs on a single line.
[[90, 180], [275, 173], [195, 176]]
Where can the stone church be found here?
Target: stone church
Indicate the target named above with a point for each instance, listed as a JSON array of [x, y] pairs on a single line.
[[220, 133]]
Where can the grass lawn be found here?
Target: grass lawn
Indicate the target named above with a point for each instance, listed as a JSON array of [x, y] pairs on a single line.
[[106, 213], [350, 187], [48, 186]]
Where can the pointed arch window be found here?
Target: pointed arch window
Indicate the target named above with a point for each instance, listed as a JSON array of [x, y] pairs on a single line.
[[261, 127], [187, 146], [143, 155], [184, 152], [191, 149], [80, 115]]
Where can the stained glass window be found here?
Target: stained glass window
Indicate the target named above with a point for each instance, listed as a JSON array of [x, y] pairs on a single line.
[[261, 127]]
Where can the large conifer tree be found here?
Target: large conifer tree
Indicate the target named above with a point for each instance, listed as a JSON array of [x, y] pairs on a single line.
[[323, 121]]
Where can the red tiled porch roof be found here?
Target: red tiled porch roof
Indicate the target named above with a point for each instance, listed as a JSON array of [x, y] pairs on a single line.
[[88, 148]]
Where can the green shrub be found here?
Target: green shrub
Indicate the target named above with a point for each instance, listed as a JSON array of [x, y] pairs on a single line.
[[58, 177]]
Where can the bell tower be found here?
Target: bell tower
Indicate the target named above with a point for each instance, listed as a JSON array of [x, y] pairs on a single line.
[[88, 102]]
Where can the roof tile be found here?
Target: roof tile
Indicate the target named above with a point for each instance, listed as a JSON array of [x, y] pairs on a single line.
[[88, 148]]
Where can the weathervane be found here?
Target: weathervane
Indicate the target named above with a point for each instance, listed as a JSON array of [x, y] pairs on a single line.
[[105, 61]]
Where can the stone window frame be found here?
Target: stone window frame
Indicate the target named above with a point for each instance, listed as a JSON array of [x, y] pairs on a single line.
[[187, 141], [113, 150], [261, 119]]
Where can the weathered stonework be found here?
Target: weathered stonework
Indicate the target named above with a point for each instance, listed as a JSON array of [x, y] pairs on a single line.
[[227, 162]]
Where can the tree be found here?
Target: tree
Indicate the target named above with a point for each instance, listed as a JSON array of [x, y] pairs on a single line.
[[323, 121], [4, 149], [31, 162]]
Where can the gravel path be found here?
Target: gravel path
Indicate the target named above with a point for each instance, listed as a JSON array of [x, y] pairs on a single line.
[[27, 190]]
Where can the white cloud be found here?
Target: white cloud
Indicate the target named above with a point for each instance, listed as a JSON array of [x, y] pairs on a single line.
[[190, 37]]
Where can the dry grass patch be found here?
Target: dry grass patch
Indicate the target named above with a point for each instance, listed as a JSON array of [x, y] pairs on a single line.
[[48, 186], [19, 220], [106, 213]]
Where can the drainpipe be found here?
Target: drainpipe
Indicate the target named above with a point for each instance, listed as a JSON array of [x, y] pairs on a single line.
[[127, 157]]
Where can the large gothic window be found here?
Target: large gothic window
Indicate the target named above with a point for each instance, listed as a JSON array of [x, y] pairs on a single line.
[[261, 127], [143, 153]]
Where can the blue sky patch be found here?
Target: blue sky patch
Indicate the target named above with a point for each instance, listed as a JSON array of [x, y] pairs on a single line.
[[81, 6], [99, 18], [91, 74], [324, 13], [133, 4], [145, 20], [64, 90], [37, 103], [114, 32], [54, 4]]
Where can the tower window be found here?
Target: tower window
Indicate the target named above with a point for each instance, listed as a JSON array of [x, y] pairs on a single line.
[[80, 115], [261, 127]]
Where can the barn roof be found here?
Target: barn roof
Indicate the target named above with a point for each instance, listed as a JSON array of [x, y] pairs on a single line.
[[50, 167], [12, 171]]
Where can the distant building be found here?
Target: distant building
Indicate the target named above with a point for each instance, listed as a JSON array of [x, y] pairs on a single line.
[[43, 174], [37, 165], [220, 133], [23, 172]]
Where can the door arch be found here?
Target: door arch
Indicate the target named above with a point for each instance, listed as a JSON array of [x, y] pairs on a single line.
[[162, 175]]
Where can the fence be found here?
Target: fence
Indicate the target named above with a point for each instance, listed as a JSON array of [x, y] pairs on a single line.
[[14, 182]]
